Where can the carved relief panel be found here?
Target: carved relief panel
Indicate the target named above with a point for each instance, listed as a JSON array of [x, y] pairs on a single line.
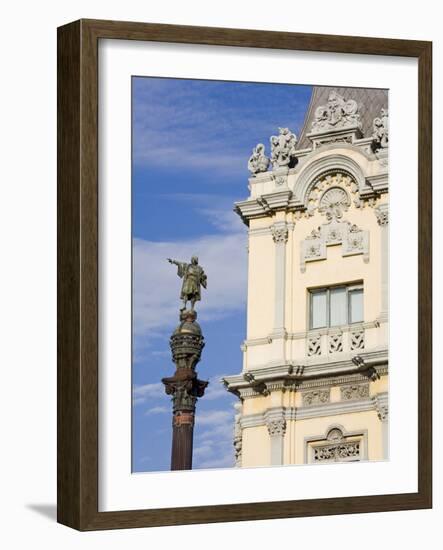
[[353, 240]]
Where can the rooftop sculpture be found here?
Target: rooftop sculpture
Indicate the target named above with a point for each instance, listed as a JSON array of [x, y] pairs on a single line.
[[283, 149], [337, 113]]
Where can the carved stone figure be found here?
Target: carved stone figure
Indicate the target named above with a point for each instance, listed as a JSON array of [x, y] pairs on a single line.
[[258, 161], [337, 113], [193, 279], [283, 149], [380, 134]]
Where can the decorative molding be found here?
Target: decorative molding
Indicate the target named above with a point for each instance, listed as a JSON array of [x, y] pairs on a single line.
[[333, 203], [337, 445], [337, 452], [354, 391], [258, 162], [354, 241], [283, 149], [357, 342], [314, 345], [337, 381], [302, 335], [276, 419], [329, 193], [363, 182], [337, 408], [316, 397], [335, 342], [286, 376]]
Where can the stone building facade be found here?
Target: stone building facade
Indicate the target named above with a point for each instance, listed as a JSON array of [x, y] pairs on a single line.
[[314, 383]]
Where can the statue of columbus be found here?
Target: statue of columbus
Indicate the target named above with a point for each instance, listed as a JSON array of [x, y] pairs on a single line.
[[193, 279]]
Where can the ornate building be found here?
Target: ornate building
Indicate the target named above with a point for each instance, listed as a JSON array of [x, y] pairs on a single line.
[[314, 383]]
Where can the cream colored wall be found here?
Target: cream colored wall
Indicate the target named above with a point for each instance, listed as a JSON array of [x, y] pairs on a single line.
[[261, 277], [256, 449]]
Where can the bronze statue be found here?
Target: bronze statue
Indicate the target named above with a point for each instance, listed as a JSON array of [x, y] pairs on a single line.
[[193, 278]]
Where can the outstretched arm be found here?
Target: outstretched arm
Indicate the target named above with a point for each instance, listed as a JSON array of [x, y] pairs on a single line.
[[181, 266]]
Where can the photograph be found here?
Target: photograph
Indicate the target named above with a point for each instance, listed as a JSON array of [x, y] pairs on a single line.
[[260, 274]]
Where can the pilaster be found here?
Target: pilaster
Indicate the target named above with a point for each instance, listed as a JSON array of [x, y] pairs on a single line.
[[382, 213], [276, 424]]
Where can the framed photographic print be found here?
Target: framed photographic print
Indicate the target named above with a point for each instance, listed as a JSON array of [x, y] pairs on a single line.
[[244, 275]]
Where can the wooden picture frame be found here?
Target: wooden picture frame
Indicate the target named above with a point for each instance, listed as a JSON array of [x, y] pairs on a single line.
[[78, 274]]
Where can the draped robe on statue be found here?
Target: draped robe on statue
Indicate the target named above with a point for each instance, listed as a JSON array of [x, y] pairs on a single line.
[[193, 278]]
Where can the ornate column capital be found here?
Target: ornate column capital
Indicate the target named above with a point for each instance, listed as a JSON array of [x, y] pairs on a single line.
[[382, 406], [382, 213], [280, 233], [276, 427]]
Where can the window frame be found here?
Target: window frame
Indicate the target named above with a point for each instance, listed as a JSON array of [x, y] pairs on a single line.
[[350, 287]]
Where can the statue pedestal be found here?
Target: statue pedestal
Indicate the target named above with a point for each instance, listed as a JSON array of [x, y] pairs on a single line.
[[185, 388]]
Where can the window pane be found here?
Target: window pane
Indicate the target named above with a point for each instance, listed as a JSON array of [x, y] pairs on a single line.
[[338, 314], [318, 309], [356, 306]]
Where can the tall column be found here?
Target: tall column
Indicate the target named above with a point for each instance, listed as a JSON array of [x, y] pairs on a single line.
[[276, 429], [382, 213], [280, 236], [185, 388]]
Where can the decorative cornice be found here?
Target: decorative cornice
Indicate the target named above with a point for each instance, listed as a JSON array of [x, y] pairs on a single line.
[[287, 414], [287, 377]]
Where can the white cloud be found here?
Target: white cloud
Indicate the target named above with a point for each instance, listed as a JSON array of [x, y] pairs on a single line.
[[210, 418], [157, 287], [216, 389], [140, 394], [214, 445], [221, 461], [157, 410], [174, 124]]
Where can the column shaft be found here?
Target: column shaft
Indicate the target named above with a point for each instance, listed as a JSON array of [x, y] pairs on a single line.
[[280, 236]]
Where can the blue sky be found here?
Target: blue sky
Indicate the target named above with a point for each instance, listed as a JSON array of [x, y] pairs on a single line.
[[191, 143]]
